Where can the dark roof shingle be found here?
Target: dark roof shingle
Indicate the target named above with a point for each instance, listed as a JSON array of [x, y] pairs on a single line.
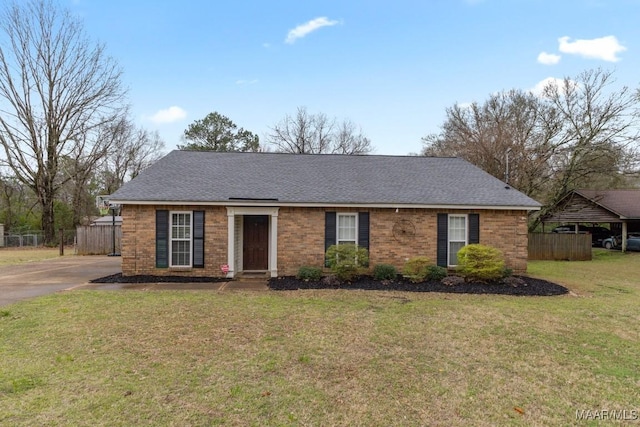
[[624, 202], [196, 176]]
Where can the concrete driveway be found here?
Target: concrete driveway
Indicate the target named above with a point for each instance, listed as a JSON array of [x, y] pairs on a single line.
[[33, 279]]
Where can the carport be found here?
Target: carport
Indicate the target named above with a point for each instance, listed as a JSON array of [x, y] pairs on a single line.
[[618, 208]]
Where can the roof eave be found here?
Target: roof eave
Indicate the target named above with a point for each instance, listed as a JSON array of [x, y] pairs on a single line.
[[319, 205]]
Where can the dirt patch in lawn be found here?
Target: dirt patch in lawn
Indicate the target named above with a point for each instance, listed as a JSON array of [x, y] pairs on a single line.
[[517, 285]]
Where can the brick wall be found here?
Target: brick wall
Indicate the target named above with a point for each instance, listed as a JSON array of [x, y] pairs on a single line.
[[301, 237], [139, 245]]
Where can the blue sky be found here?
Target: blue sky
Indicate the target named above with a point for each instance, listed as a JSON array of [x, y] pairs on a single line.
[[392, 67]]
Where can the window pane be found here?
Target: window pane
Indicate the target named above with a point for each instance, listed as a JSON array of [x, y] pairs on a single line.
[[181, 239], [181, 226], [457, 227], [347, 227], [457, 236], [454, 247], [180, 253]]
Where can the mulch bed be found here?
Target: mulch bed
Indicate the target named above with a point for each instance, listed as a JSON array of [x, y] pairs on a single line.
[[525, 286], [522, 285], [119, 278]]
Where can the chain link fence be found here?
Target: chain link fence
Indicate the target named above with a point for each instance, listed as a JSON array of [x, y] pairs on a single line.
[[35, 239]]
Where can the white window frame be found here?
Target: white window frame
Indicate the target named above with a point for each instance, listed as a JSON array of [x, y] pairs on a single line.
[[450, 240], [345, 214], [172, 239]]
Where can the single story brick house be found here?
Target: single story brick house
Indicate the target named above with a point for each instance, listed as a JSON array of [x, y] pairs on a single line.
[[221, 214]]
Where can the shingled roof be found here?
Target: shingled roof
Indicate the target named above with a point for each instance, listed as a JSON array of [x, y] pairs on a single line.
[[330, 180], [624, 203]]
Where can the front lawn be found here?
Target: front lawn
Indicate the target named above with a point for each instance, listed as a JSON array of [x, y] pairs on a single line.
[[13, 256], [327, 357]]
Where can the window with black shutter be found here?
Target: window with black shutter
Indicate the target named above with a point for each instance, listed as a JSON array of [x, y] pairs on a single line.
[[454, 232], [179, 239], [346, 228]]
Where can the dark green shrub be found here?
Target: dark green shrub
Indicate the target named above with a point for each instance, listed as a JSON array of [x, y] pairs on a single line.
[[416, 269], [309, 273], [435, 272], [347, 261], [480, 262], [385, 272]]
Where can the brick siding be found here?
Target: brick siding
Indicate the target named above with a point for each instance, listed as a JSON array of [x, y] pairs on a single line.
[[301, 237]]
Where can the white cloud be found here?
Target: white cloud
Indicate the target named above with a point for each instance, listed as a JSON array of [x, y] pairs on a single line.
[[169, 115], [604, 48], [246, 82], [548, 58], [538, 89], [302, 30]]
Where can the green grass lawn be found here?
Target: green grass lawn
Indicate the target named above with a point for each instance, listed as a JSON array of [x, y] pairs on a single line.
[[12, 256], [328, 357]]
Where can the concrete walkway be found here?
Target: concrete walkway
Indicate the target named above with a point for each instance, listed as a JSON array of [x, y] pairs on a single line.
[[71, 272]]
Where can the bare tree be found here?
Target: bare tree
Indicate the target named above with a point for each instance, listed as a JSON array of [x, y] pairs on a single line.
[[132, 150], [78, 168], [597, 142], [307, 133], [348, 139], [56, 87], [582, 133], [511, 127]]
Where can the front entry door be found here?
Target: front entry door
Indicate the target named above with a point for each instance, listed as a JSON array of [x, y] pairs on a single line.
[[255, 244]]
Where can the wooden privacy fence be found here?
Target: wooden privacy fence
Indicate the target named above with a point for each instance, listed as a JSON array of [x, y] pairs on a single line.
[[97, 239], [559, 247]]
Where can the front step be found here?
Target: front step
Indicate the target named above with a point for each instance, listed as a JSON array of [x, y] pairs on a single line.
[[250, 276]]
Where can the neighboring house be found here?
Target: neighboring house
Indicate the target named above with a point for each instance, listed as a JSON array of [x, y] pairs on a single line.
[[618, 208], [194, 212], [107, 220]]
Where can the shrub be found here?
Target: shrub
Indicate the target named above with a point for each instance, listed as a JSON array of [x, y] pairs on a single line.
[[435, 272], [416, 269], [347, 261], [480, 262], [385, 272], [309, 273]]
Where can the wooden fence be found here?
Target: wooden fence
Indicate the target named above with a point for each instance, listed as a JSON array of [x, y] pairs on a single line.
[[97, 239], [559, 247]]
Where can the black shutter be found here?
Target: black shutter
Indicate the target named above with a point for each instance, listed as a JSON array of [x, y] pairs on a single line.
[[198, 239], [329, 231], [442, 240], [474, 228], [162, 239], [363, 230]]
